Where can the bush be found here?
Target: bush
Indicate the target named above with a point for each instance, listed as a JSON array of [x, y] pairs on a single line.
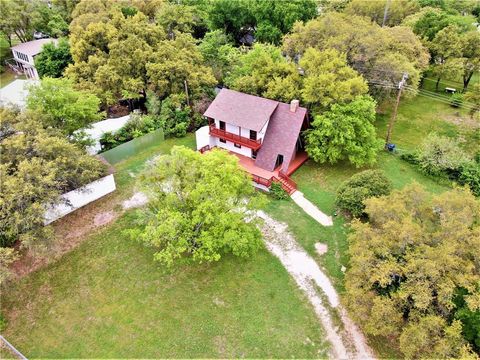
[[137, 126], [366, 184], [277, 191], [470, 175], [175, 116], [409, 157], [456, 100], [440, 155]]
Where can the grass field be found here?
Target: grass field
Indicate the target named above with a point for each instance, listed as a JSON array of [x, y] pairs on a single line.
[[107, 298]]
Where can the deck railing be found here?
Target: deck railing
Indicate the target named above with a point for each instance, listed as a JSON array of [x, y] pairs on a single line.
[[241, 140], [287, 179]]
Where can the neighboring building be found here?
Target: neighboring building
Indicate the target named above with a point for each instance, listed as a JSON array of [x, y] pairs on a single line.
[[24, 55], [264, 133]]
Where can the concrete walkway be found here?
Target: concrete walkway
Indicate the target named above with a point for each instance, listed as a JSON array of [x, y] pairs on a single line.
[[311, 209]]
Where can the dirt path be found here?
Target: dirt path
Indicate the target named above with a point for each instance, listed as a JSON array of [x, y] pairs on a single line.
[[346, 339]]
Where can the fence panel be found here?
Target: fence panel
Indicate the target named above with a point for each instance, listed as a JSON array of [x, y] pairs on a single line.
[[131, 147]]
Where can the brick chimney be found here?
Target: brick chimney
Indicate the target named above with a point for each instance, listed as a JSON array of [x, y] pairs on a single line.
[[294, 104]]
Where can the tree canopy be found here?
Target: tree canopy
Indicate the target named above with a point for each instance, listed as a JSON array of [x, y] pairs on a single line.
[[61, 106], [397, 10], [412, 265], [53, 59], [345, 132], [269, 20], [120, 57], [199, 208], [368, 47], [37, 166]]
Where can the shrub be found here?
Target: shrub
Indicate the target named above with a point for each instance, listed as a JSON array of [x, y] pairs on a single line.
[[175, 116], [137, 126], [366, 184], [277, 191], [456, 100], [410, 157], [470, 175], [441, 155]]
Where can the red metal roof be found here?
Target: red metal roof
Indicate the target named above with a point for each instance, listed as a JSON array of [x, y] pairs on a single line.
[[239, 109]]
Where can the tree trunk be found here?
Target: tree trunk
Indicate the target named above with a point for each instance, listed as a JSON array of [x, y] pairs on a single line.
[[466, 80], [438, 82]]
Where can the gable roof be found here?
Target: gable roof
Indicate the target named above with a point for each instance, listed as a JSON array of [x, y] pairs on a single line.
[[281, 137], [239, 109], [34, 47]]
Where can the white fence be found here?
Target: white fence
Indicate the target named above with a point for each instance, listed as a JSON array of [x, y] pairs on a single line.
[[75, 199], [96, 130]]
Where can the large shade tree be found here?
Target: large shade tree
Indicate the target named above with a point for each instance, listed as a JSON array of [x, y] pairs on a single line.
[[367, 46], [200, 208], [37, 166], [61, 106], [120, 56], [414, 271], [345, 132]]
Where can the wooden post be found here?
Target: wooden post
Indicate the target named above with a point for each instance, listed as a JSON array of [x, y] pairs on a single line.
[[395, 110], [186, 92]]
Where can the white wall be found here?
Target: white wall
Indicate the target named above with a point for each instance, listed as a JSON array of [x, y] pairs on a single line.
[[96, 130], [243, 131], [203, 137], [245, 151], [80, 197]]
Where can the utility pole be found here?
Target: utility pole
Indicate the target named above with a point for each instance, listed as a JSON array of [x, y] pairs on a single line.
[[385, 13], [401, 84]]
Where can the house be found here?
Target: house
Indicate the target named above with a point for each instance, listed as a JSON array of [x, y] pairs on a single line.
[[264, 134], [24, 56]]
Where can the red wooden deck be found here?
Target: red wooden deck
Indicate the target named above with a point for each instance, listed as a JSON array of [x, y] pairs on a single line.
[[249, 165]]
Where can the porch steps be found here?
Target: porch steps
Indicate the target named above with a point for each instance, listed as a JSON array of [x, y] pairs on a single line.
[[289, 188]]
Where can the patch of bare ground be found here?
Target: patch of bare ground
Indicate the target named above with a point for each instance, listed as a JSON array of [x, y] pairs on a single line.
[[346, 338], [464, 121], [69, 232]]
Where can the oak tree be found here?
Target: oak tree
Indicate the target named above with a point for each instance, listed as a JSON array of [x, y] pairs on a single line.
[[200, 208]]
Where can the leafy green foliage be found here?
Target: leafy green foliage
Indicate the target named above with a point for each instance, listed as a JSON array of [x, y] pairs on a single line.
[[407, 264], [137, 126], [271, 19], [175, 116], [263, 71], [441, 155], [375, 52], [345, 132], [473, 96], [37, 166], [219, 53], [61, 106], [7, 257], [397, 10], [329, 80], [456, 100], [53, 59], [470, 175], [352, 193], [199, 208], [277, 191]]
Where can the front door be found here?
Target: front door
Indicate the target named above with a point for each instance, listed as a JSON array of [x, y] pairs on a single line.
[[279, 160]]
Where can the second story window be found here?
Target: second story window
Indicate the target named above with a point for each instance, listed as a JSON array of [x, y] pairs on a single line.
[[222, 125], [253, 135]]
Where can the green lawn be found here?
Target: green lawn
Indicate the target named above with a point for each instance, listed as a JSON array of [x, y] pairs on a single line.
[[107, 298]]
